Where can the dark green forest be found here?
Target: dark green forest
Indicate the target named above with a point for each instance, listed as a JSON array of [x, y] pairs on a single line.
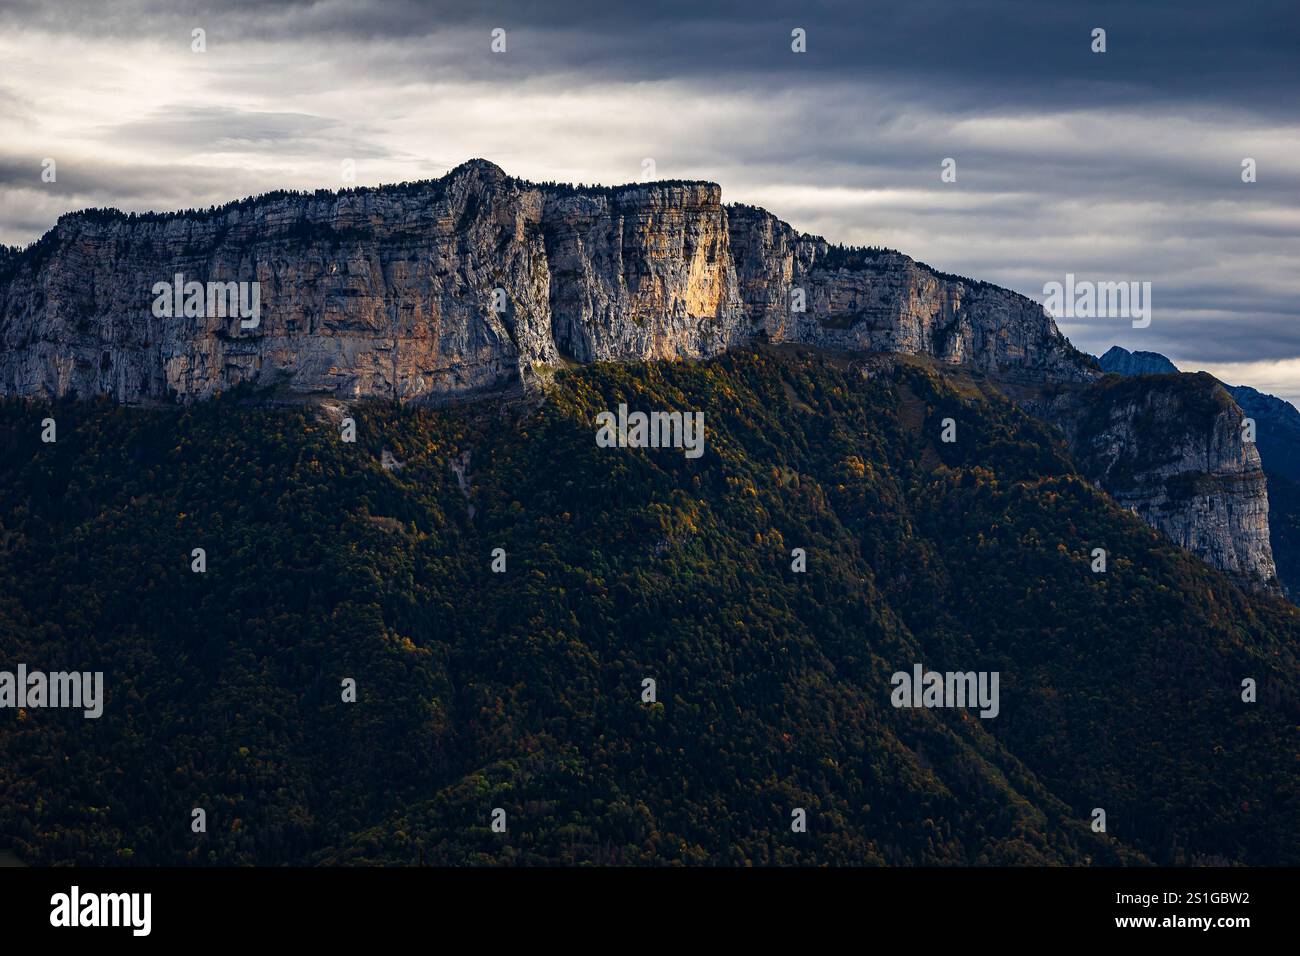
[[522, 690]]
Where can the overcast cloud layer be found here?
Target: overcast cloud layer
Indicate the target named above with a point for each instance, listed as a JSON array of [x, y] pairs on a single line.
[[1117, 166]]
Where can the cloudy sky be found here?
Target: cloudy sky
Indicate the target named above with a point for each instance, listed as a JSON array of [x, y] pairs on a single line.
[[1125, 165]]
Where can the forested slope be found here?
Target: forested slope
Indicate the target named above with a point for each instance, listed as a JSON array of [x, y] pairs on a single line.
[[522, 690]]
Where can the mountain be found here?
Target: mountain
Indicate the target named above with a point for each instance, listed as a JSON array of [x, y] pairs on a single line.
[[479, 284], [524, 689], [1170, 448], [1123, 362], [391, 293], [1277, 421], [1277, 436]]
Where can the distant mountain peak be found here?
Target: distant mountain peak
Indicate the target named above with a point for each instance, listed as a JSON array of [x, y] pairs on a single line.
[[1123, 362]]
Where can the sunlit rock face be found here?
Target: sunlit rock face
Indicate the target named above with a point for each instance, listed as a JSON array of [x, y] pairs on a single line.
[[461, 286]]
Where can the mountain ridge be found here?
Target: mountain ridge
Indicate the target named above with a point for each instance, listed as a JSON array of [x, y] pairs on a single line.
[[748, 264], [1123, 362], [13, 254], [478, 284]]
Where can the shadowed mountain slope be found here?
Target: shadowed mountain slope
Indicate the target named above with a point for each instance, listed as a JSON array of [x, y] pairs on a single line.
[[523, 690]]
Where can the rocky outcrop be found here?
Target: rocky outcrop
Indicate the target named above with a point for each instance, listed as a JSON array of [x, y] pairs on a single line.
[[883, 301], [1170, 448], [1277, 422], [642, 272], [464, 285], [1277, 441], [384, 292]]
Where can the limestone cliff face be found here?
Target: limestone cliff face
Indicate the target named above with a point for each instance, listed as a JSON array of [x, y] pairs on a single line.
[[883, 301], [376, 293], [474, 283], [1171, 449], [391, 292], [893, 304], [643, 272]]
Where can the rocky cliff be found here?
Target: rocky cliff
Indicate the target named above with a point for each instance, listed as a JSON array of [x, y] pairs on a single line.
[[1277, 421], [392, 292], [477, 283], [1277, 425], [880, 300], [1170, 448]]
